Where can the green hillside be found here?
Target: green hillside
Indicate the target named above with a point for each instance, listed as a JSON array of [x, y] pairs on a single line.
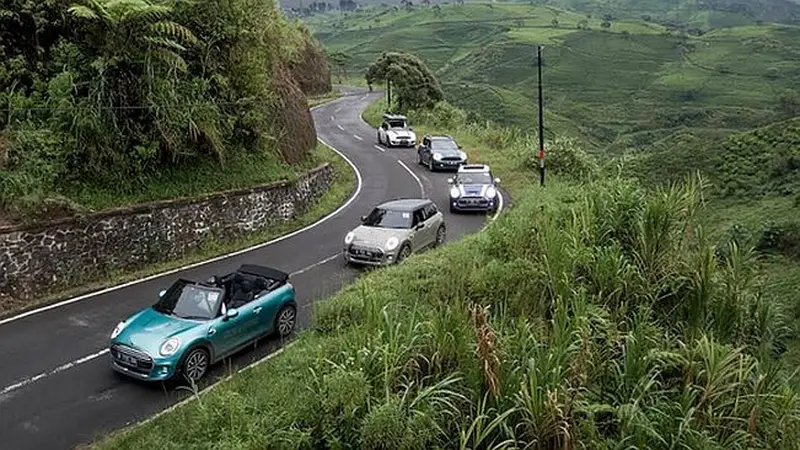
[[626, 86]]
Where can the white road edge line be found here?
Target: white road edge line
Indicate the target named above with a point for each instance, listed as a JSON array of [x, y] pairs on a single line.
[[340, 127], [358, 137], [58, 369], [359, 183], [380, 148], [88, 358], [419, 182]]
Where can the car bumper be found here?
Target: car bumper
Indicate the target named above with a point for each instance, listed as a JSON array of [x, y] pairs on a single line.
[[367, 260], [399, 143], [448, 165], [153, 369], [473, 204]]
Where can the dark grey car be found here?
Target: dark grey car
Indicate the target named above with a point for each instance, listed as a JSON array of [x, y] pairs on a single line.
[[440, 152], [393, 231]]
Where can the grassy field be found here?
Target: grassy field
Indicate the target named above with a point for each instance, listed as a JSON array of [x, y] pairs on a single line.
[[593, 312], [618, 88]]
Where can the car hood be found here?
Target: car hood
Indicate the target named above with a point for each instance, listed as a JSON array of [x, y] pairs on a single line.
[[449, 153], [148, 329], [401, 133], [473, 189], [377, 237]]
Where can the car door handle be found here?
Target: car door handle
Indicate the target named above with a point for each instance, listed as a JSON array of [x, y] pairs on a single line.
[[257, 310]]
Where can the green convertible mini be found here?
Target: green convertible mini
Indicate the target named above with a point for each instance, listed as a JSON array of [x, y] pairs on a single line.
[[194, 324]]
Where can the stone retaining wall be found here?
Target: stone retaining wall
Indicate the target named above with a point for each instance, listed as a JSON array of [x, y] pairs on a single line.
[[42, 258]]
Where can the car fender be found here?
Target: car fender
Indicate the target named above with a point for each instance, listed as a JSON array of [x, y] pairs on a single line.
[[200, 342]]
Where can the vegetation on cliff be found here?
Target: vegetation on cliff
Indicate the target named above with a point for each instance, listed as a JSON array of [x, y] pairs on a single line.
[[105, 102]]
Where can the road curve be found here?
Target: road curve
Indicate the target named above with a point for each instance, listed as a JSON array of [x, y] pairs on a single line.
[[56, 389]]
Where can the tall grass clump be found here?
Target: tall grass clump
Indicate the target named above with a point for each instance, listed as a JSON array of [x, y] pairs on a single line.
[[589, 316]]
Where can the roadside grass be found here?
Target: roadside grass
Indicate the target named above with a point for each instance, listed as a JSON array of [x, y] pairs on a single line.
[[588, 304], [343, 186], [320, 99]]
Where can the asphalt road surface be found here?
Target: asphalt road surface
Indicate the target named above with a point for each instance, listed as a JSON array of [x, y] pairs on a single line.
[[56, 387]]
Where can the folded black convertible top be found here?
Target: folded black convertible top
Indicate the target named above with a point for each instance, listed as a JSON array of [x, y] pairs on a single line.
[[263, 271]]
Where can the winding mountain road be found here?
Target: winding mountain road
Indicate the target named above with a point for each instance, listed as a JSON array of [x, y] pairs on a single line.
[[56, 388]]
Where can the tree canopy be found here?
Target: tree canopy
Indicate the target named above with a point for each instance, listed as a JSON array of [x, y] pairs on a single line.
[[107, 92], [413, 85]]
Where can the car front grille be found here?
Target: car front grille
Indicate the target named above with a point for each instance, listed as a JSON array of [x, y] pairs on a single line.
[[363, 253], [131, 358], [451, 158], [472, 202]]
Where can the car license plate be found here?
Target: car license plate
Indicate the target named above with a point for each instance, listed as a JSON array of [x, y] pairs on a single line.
[[127, 359]]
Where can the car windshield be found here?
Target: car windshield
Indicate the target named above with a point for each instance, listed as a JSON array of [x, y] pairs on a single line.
[[442, 145], [190, 301], [388, 218], [397, 124], [474, 178]]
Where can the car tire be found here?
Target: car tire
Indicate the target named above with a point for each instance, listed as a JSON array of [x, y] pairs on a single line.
[[196, 363], [405, 252], [285, 321], [379, 139], [441, 235]]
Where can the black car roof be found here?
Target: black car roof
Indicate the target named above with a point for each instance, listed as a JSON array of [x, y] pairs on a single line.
[[263, 271]]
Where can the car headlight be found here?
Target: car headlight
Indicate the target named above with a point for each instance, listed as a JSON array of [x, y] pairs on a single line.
[[454, 192], [437, 156], [169, 347], [348, 238], [491, 192], [118, 329], [391, 244], [463, 155]]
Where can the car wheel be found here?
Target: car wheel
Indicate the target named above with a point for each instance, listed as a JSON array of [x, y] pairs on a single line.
[[379, 139], [405, 252], [196, 364], [441, 234], [285, 321]]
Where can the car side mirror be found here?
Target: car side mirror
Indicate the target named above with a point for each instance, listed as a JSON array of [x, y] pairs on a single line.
[[363, 219], [497, 180], [231, 313], [410, 129], [460, 147], [419, 226], [450, 181], [162, 293]]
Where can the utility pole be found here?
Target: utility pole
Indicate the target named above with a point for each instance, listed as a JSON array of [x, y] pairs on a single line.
[[388, 95], [541, 121]]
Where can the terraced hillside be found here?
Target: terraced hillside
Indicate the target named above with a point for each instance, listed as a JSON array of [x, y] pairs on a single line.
[[623, 86]]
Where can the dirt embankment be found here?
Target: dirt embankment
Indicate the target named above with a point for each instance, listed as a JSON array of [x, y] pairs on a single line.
[[292, 126], [310, 68]]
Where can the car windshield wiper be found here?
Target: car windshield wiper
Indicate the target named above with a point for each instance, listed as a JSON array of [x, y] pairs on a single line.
[[194, 317]]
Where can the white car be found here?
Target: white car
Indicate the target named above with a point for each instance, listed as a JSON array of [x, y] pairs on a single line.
[[395, 132]]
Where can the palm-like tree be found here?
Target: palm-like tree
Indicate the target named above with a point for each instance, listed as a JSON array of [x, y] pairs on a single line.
[[137, 31]]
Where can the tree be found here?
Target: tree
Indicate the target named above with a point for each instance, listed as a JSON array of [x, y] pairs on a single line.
[[554, 23], [340, 59], [413, 84]]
